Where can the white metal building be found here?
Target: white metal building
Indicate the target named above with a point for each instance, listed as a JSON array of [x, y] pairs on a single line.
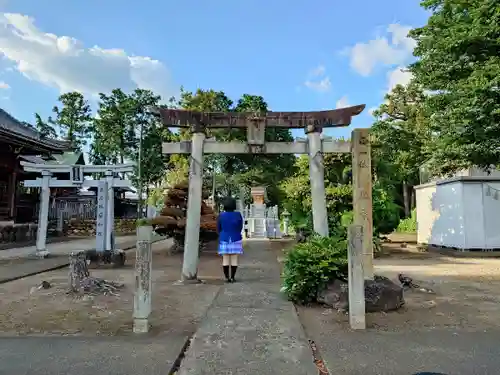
[[461, 212]]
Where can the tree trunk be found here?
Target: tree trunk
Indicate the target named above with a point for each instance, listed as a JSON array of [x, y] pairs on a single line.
[[413, 198], [406, 199]]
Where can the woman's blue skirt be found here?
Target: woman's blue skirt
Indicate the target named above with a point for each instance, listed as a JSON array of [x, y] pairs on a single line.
[[230, 248]]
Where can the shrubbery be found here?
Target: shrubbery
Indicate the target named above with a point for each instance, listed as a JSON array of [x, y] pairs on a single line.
[[310, 266], [408, 225]]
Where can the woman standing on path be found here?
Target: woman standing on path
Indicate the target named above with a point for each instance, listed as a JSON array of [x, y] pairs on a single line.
[[229, 227]]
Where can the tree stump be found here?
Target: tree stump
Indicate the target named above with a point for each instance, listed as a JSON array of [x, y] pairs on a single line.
[[78, 271], [80, 282]]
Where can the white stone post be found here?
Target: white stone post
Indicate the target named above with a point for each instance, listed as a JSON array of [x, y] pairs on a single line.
[[143, 279], [317, 177], [357, 315], [192, 237], [110, 214], [101, 223], [43, 215], [286, 220], [362, 194]]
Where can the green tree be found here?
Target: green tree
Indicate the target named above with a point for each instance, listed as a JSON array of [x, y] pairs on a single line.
[[459, 63], [44, 128], [207, 101], [117, 133], [338, 189], [73, 117], [266, 170], [403, 121], [113, 128]]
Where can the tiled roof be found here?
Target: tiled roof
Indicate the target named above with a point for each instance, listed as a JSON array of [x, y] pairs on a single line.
[[17, 130]]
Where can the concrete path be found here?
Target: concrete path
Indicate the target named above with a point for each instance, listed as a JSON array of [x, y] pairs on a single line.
[[250, 328], [405, 353], [89, 356], [20, 262], [61, 248]]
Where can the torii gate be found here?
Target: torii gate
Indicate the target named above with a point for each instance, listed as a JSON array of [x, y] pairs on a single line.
[[105, 211], [256, 123]]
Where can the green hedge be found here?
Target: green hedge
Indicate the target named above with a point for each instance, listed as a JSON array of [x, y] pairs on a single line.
[[310, 266]]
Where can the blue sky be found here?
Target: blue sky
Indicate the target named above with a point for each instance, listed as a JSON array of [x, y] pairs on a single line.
[[298, 55]]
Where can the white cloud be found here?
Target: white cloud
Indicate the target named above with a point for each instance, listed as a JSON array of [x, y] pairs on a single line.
[[66, 64], [398, 76], [322, 85], [4, 85], [318, 71], [317, 80], [387, 51], [343, 102]]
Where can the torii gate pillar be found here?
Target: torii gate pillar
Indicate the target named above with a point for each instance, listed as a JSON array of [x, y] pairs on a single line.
[[193, 217], [43, 215], [317, 177]]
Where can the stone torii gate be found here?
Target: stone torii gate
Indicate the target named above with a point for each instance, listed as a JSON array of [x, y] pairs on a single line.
[[105, 211], [256, 123]]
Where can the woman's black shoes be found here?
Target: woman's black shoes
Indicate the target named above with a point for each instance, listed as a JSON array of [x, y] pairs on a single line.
[[229, 278]]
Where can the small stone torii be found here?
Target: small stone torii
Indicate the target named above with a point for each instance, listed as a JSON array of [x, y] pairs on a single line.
[[256, 123], [105, 212]]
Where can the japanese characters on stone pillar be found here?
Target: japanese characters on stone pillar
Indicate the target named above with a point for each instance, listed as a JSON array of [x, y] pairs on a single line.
[[101, 221], [143, 279], [362, 194], [191, 244], [110, 211], [356, 282], [317, 176]]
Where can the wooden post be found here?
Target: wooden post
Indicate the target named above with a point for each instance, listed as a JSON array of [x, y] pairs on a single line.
[[143, 279], [362, 194], [356, 278]]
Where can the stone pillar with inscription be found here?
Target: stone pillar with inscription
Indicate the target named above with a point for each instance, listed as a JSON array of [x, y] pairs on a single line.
[[191, 244], [43, 215], [317, 177], [356, 282], [110, 212], [101, 220], [362, 194], [143, 279]]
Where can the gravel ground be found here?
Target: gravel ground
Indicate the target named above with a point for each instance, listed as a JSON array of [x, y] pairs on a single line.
[[176, 309]]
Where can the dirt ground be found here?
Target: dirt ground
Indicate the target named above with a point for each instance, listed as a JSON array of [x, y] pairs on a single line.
[[176, 308], [466, 294]]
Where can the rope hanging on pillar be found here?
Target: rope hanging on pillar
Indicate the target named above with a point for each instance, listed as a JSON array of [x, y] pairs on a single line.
[[192, 165], [318, 158]]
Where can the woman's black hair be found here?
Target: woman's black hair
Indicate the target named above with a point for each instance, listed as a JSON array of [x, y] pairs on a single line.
[[229, 204]]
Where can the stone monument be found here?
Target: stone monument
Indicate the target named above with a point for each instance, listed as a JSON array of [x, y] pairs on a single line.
[[257, 215]]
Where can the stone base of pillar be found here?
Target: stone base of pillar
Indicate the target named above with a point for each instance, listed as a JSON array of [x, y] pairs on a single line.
[[189, 282], [42, 254], [141, 326]]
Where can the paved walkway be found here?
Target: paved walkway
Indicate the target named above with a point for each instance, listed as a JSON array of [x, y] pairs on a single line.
[[61, 248], [89, 356], [21, 262], [250, 328]]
